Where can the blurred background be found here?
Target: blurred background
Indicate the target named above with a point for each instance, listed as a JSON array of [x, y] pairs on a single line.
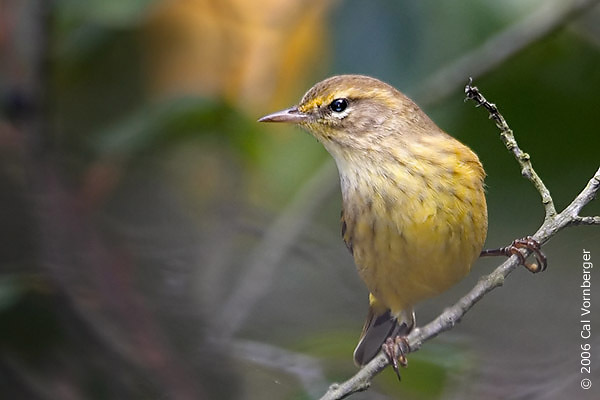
[[158, 243]]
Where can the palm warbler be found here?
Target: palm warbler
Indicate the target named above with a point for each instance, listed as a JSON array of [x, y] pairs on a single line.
[[414, 212]]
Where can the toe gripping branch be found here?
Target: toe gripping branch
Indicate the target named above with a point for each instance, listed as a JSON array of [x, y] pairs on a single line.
[[528, 243], [396, 349]]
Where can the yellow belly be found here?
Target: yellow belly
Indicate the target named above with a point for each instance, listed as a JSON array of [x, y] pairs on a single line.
[[413, 235]]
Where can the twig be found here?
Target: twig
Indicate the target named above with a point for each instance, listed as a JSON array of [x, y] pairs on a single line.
[[497, 49], [552, 224], [586, 221], [508, 138]]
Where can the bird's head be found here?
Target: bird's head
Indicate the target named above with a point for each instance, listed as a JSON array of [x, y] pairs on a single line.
[[354, 112]]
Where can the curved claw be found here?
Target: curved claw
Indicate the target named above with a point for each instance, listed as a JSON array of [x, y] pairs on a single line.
[[533, 245], [528, 243], [396, 348]]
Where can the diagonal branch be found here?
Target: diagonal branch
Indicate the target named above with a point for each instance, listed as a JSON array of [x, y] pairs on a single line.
[[494, 51], [586, 221], [553, 223], [588, 194], [258, 273], [508, 138], [570, 215]]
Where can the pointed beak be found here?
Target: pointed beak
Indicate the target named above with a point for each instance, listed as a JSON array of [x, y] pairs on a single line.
[[290, 115]]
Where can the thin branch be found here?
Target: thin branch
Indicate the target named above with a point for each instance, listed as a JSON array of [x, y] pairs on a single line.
[[588, 194], [508, 138], [586, 221], [360, 382], [499, 48], [494, 51], [552, 224]]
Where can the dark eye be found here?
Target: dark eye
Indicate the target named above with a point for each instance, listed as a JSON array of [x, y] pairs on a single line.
[[338, 105]]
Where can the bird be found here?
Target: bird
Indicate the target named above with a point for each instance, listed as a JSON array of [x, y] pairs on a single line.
[[414, 213]]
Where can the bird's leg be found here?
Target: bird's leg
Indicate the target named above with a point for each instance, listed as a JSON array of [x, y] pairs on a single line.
[[528, 243], [396, 349]]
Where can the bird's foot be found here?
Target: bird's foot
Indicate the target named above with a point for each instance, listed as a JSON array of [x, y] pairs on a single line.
[[396, 348], [515, 247]]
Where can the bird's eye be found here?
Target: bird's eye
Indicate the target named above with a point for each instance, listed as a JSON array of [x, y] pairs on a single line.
[[338, 105]]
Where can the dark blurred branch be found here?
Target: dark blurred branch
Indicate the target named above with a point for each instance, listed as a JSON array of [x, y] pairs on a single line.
[[305, 368], [257, 275], [553, 223], [89, 273], [547, 19]]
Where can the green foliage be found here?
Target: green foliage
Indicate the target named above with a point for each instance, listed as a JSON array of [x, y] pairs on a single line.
[[110, 13]]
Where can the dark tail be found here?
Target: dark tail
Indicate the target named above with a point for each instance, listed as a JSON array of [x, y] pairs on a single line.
[[376, 330]]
